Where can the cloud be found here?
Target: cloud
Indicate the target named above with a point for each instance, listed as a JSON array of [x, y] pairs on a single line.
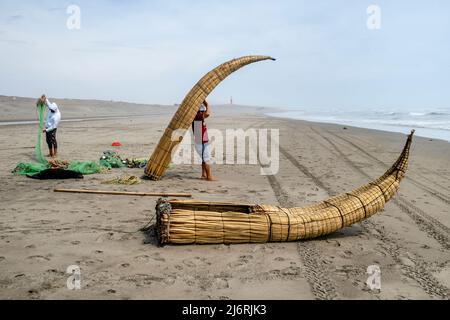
[[154, 51], [56, 9], [12, 41], [106, 45], [14, 18]]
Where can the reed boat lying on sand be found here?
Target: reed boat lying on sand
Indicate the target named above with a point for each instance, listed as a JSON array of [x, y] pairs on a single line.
[[200, 222]]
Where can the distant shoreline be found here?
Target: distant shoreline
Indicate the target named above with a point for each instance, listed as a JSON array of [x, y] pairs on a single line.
[[424, 132], [17, 111], [31, 122]]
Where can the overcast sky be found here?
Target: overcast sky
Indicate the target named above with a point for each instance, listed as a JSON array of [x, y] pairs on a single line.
[[155, 51]]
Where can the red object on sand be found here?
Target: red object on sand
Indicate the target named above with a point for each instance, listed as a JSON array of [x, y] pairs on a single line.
[[116, 144]]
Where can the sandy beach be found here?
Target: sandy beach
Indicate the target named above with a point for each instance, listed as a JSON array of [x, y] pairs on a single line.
[[42, 232]]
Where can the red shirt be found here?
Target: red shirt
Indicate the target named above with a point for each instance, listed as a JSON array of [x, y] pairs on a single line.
[[199, 122]]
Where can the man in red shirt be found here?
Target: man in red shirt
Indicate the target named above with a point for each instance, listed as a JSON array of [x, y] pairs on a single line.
[[202, 145]]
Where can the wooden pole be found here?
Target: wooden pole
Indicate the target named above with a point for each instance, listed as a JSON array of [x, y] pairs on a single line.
[[122, 193]]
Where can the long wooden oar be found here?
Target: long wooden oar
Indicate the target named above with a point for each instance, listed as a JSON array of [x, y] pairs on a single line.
[[122, 193]]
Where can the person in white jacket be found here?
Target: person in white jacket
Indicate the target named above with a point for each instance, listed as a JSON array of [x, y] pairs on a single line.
[[51, 125]]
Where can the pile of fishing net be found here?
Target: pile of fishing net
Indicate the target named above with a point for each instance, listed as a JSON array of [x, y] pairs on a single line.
[[108, 161], [127, 180], [70, 169], [111, 159]]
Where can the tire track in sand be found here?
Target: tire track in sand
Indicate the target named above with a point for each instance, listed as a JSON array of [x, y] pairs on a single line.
[[432, 192], [322, 287], [418, 174]]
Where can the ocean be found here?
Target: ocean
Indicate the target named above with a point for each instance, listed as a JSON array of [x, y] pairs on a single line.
[[429, 123]]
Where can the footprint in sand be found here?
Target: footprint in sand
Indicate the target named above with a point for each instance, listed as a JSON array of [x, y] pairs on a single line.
[[347, 254], [196, 262], [38, 258], [143, 279], [146, 258], [263, 248], [246, 258], [128, 236], [2, 258], [89, 262], [75, 243], [221, 283], [55, 272], [292, 271], [125, 265], [47, 285], [31, 246], [157, 256], [33, 294], [274, 273], [170, 280], [237, 265], [105, 237], [240, 263], [44, 222], [407, 262], [222, 247], [142, 258], [334, 242]]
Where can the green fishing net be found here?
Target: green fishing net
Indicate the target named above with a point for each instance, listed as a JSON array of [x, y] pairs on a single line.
[[88, 167], [108, 161], [42, 164], [41, 112], [24, 169], [111, 159], [83, 167]]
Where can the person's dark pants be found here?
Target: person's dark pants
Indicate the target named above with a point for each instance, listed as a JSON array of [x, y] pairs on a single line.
[[51, 139]]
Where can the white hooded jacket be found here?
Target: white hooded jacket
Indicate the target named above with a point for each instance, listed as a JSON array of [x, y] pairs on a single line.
[[53, 118]]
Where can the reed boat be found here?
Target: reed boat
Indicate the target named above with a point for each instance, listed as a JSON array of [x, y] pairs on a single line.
[[182, 120], [201, 222]]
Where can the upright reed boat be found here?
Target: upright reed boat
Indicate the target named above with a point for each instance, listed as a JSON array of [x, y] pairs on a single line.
[[182, 121]]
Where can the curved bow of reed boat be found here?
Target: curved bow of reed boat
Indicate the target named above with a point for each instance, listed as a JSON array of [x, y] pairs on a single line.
[[199, 222], [161, 157]]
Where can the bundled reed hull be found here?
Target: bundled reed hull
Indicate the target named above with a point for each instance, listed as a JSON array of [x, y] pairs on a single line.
[[200, 222], [161, 157]]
